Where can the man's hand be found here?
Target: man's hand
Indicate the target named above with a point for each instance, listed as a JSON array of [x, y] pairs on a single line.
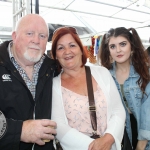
[[36, 131], [103, 143]]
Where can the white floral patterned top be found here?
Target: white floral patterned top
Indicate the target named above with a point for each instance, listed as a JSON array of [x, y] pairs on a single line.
[[77, 111]]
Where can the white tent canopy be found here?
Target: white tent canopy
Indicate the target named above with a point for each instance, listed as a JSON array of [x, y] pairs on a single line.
[[96, 15]]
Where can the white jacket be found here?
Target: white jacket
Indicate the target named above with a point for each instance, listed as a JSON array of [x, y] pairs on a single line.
[[72, 139]]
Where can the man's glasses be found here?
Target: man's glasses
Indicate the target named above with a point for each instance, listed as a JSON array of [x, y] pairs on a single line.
[[73, 29]]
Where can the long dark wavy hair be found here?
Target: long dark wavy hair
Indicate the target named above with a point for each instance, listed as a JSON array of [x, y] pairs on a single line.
[[138, 59]]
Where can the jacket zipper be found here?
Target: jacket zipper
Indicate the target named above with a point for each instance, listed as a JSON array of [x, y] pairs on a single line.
[[34, 119]]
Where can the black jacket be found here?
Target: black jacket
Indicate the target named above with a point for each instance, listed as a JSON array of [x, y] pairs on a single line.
[[17, 104]]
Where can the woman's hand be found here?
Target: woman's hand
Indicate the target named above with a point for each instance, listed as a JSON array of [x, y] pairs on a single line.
[[103, 143], [141, 145]]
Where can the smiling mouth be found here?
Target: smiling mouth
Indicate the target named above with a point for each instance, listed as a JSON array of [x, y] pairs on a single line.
[[68, 58]]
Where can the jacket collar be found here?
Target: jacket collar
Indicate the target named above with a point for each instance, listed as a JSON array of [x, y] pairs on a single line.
[[4, 56], [132, 73], [47, 64]]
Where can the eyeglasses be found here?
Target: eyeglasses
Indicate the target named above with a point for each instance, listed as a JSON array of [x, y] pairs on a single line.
[[73, 29]]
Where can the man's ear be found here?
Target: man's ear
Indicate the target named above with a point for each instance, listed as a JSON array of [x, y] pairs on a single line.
[[13, 36]]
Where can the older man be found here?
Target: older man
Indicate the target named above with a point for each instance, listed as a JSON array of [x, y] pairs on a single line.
[[26, 87]]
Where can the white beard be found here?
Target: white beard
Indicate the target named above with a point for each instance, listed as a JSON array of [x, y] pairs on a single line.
[[32, 59]]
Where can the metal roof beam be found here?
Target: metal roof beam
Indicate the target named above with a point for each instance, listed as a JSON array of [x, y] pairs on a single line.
[[84, 22], [75, 11]]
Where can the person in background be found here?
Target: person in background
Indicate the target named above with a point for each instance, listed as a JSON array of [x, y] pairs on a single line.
[[147, 51], [123, 54], [70, 104], [26, 87]]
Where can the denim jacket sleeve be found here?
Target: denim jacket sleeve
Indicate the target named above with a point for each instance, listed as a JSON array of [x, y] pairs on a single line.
[[144, 130]]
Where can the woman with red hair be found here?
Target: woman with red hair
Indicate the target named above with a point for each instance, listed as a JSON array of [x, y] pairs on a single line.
[[70, 98]]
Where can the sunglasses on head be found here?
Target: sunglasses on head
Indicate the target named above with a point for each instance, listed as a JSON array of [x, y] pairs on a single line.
[[73, 29]]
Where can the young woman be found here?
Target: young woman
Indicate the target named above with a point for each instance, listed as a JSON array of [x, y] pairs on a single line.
[[123, 54]]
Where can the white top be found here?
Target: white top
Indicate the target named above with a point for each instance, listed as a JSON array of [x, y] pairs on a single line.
[[72, 139]]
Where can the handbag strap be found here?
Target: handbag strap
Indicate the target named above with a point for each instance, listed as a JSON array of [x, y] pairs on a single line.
[[92, 107]]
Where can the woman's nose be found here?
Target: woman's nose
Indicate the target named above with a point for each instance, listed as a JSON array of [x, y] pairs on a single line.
[[118, 49], [67, 50]]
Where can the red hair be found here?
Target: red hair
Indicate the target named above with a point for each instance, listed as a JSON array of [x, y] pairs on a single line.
[[63, 31]]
